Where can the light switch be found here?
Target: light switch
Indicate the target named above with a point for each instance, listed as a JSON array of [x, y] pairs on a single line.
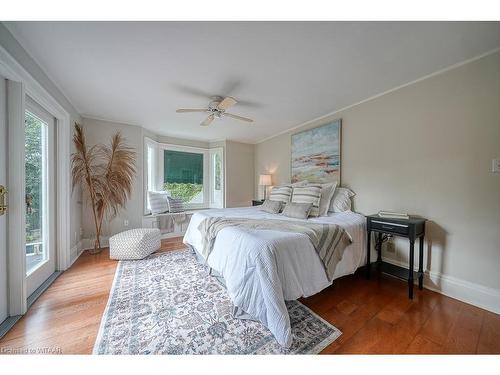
[[495, 165]]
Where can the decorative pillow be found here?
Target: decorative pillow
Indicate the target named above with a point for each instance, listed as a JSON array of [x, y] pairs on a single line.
[[273, 207], [297, 210], [308, 194], [175, 205], [327, 191], [341, 200], [281, 194], [158, 201]]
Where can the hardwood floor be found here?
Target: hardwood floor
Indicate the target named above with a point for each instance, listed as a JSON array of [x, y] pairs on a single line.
[[375, 315]]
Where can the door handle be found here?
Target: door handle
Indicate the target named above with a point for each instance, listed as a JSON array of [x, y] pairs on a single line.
[[3, 200]]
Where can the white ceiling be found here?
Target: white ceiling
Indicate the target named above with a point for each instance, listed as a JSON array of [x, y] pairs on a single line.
[[284, 73]]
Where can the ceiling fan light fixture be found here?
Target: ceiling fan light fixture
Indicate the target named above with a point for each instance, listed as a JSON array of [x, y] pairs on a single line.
[[217, 108]]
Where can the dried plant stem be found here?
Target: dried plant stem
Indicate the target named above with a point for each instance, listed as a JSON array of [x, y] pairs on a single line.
[[107, 173]]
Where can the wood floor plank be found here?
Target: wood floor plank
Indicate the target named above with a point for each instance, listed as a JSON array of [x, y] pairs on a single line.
[[359, 318], [395, 309], [375, 316], [464, 335], [441, 321], [422, 345], [489, 339], [365, 340]]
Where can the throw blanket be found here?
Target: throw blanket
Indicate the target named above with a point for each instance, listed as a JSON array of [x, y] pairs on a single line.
[[329, 240], [166, 221]]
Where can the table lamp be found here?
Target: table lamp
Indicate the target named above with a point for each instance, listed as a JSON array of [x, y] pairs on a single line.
[[265, 180]]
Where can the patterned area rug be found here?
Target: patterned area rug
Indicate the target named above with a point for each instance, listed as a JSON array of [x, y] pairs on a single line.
[[168, 304]]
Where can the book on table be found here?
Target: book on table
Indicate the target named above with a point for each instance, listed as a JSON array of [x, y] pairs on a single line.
[[393, 215]]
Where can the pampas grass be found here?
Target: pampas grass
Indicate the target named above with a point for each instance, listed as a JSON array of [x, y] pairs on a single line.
[[106, 172]]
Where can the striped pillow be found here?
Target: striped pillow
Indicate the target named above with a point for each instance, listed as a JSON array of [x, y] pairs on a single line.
[[158, 202], [175, 205], [281, 194], [308, 194]]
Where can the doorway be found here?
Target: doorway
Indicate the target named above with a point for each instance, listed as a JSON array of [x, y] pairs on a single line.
[[35, 224], [4, 312]]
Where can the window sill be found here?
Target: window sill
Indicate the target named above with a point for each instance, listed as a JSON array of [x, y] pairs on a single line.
[[186, 211]]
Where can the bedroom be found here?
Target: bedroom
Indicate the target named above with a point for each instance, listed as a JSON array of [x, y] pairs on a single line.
[[259, 187]]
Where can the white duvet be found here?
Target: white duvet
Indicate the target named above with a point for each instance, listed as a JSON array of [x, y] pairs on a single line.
[[263, 269]]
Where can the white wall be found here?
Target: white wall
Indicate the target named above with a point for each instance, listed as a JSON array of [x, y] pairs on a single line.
[[96, 132], [427, 149], [182, 142], [240, 171]]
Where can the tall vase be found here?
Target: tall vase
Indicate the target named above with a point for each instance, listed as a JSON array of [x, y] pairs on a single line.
[[97, 248]]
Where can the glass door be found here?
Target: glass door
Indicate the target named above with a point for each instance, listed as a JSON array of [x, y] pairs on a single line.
[[39, 195], [4, 292]]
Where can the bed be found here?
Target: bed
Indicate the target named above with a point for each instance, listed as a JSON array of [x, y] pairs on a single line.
[[262, 268]]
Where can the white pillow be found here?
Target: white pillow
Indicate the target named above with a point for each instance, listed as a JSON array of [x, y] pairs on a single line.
[[341, 200], [158, 201], [327, 191]]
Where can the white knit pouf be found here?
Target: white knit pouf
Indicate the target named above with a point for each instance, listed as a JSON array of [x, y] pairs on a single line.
[[134, 243]]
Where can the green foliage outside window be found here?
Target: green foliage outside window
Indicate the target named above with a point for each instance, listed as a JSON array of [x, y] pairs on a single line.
[[186, 192], [217, 172], [33, 170], [183, 174]]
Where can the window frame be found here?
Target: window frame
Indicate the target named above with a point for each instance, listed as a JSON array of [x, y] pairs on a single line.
[[159, 148]]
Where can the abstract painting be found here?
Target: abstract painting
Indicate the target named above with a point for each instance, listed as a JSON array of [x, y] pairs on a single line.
[[316, 154]]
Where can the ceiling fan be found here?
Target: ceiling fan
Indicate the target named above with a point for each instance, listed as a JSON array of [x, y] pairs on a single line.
[[216, 108]]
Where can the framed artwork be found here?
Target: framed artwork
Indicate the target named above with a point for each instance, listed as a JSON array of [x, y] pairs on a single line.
[[316, 154]]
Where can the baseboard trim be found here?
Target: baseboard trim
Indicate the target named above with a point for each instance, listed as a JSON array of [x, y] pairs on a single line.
[[42, 288], [7, 324], [475, 294], [88, 243], [75, 252]]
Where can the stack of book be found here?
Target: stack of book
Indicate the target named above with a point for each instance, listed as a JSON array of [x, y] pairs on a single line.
[[393, 215]]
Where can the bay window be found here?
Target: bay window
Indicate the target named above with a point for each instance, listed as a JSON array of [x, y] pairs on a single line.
[[194, 175]]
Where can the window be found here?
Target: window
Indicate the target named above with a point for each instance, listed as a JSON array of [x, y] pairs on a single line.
[[150, 167], [36, 194], [183, 176], [217, 178], [194, 175]]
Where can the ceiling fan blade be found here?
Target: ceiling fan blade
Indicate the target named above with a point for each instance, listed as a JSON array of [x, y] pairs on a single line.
[[208, 120], [184, 110], [226, 103], [238, 117]]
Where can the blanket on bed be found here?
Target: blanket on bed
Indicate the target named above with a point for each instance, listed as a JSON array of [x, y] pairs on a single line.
[[329, 240]]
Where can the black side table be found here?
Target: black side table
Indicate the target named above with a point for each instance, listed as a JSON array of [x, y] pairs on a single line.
[[257, 203], [411, 228]]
